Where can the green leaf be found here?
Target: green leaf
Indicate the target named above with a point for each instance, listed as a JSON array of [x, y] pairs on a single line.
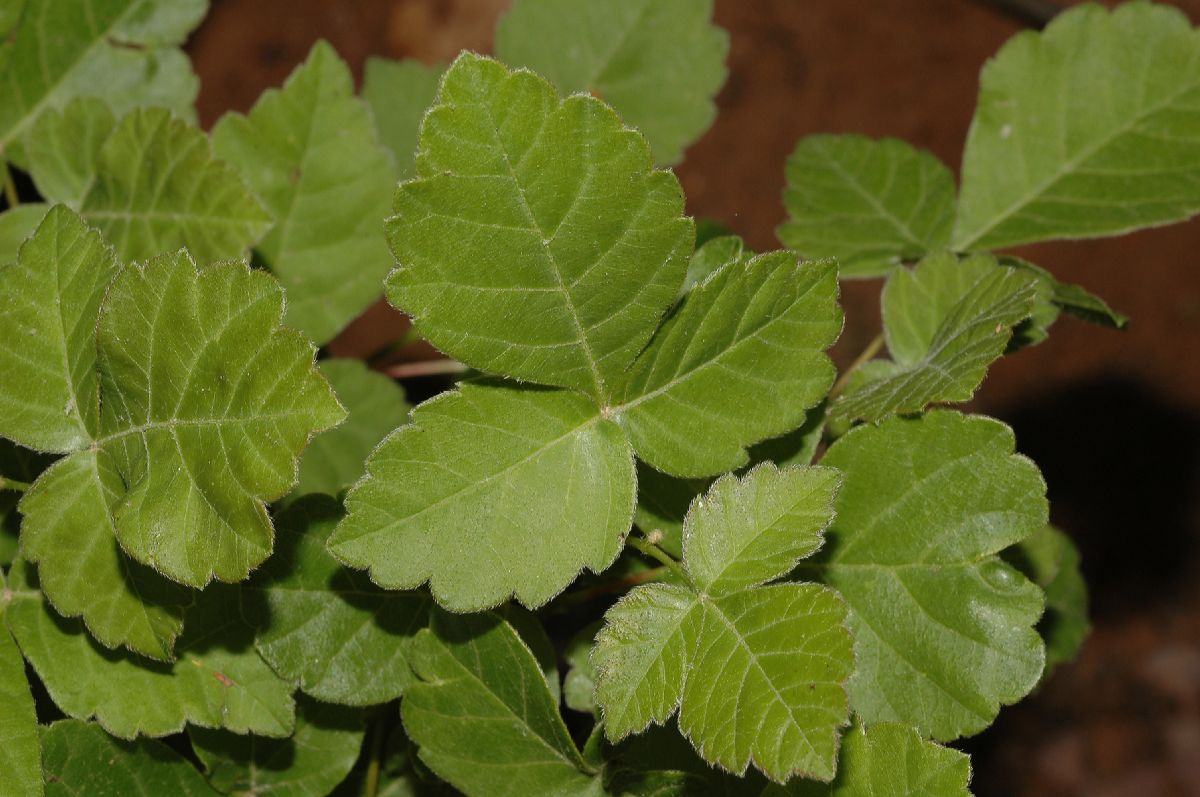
[[539, 209], [328, 629], [659, 63], [310, 150], [217, 681], [889, 759], [945, 323], [374, 405], [316, 758], [1089, 128], [579, 687], [17, 224], [399, 93], [740, 360], [1072, 299], [20, 751], [1050, 560], [756, 672], [484, 716], [82, 759], [63, 149], [711, 256], [943, 629], [872, 204], [493, 491], [125, 52]]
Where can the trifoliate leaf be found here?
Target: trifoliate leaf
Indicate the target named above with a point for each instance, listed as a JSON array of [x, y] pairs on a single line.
[[658, 63], [534, 208], [328, 189], [310, 763], [374, 405], [20, 751], [82, 759], [125, 52], [1050, 560], [63, 149], [493, 491], [217, 681], [756, 672], [871, 204], [1088, 128], [945, 323], [943, 629], [483, 716], [399, 93], [17, 224], [889, 759], [328, 629], [739, 360]]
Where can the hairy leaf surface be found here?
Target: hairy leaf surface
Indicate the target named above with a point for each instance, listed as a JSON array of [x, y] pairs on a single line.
[[547, 210], [943, 629], [659, 63], [1089, 128], [871, 204], [310, 150], [493, 491], [399, 93], [20, 750], [63, 149], [17, 224]]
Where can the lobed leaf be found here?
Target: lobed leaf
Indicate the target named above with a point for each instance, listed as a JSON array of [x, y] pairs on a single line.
[[527, 206], [658, 63], [20, 750], [872, 204], [399, 93], [311, 152]]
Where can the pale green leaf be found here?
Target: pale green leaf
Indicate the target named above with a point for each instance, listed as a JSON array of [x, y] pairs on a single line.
[[943, 629], [311, 152], [20, 751], [82, 759], [871, 204], [1089, 128], [17, 224], [493, 491], [328, 629], [534, 208], [659, 63], [374, 405], [1050, 559], [217, 681], [123, 51], [63, 149], [399, 93], [889, 760], [316, 758], [483, 716], [158, 188], [739, 360], [945, 322]]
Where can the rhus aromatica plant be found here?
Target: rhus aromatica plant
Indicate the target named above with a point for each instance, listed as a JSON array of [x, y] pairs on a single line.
[[651, 543]]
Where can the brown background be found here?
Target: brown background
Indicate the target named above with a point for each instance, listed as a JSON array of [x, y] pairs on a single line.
[[1113, 418]]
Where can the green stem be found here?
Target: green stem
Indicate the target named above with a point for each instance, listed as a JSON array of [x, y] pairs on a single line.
[[654, 552], [865, 356], [12, 484], [375, 763], [10, 189]]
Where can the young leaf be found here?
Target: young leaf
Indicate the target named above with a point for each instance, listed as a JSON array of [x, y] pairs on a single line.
[[315, 759], [539, 209], [943, 629], [659, 64], [399, 92], [218, 680], [756, 672], [63, 149], [889, 759], [871, 204], [483, 716], [20, 752], [1088, 128], [945, 323], [328, 189], [125, 52], [1050, 560], [1072, 299], [328, 629], [80, 758], [711, 256], [374, 405], [739, 360], [17, 224], [493, 491]]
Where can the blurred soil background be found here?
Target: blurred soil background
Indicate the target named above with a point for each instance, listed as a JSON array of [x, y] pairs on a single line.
[[1113, 418]]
